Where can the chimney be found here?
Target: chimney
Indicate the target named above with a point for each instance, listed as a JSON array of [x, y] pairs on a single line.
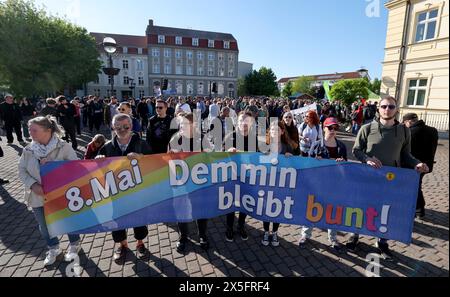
[[150, 23]]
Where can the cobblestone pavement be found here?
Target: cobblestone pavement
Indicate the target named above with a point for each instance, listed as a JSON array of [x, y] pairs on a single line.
[[22, 250]]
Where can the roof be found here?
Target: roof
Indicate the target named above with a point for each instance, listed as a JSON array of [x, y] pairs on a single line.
[[169, 31], [331, 76], [122, 40]]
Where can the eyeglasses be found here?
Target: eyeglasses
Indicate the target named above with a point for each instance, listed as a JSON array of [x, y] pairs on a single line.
[[159, 107], [391, 106], [333, 128], [123, 127]]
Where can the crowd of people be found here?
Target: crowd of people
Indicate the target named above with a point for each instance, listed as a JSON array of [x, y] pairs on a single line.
[[144, 127]]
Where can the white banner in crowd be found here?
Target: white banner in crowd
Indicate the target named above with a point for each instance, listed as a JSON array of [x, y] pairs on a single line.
[[299, 113]]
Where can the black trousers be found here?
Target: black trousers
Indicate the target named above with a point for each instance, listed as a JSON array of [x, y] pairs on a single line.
[[420, 198], [17, 127], [183, 228], [98, 119], [78, 125], [241, 220], [70, 132], [267, 226], [140, 233]]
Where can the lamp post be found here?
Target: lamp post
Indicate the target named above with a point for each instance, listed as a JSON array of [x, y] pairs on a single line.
[[110, 47]]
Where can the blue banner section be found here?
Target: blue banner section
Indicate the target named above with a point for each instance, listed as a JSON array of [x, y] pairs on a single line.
[[349, 197]]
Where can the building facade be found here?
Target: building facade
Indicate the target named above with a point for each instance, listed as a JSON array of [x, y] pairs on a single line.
[[192, 61], [244, 69], [416, 61]]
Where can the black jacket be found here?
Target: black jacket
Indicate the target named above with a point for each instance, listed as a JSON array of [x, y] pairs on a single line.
[[10, 113], [136, 145], [159, 134], [424, 141]]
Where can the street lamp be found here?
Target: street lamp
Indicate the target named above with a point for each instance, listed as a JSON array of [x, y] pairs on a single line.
[[110, 47], [132, 86]]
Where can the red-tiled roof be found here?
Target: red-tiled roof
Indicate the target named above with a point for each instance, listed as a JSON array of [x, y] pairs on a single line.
[[123, 40]]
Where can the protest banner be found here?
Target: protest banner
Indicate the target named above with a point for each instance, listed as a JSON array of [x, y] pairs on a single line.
[[92, 196], [300, 113]]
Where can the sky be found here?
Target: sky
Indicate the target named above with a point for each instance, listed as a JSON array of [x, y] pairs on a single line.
[[293, 37]]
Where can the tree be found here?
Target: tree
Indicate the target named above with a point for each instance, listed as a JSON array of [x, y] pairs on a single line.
[[375, 86], [349, 90], [303, 85], [241, 87], [261, 83], [287, 90], [42, 54]]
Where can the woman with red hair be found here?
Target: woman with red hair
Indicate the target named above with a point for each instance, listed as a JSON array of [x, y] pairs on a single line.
[[310, 134]]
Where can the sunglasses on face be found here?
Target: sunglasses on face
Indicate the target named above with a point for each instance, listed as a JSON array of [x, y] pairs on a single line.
[[159, 107], [333, 128], [391, 107], [124, 127]]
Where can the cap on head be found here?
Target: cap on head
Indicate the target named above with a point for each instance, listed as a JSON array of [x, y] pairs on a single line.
[[410, 116], [331, 122]]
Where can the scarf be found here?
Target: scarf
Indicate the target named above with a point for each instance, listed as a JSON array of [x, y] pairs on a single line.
[[41, 151]]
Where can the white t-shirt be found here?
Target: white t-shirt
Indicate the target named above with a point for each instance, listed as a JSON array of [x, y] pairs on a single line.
[[306, 131]]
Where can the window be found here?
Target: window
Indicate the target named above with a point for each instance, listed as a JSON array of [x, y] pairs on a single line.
[[178, 69], [221, 71], [179, 86], [211, 56], [156, 68], [139, 65], [220, 89], [189, 54], [200, 88], [110, 79], [231, 72], [141, 81], [178, 54], [178, 40], [161, 39], [126, 80], [167, 52], [210, 43], [141, 93], [155, 52], [190, 87], [416, 92], [200, 55], [194, 41], [189, 70], [108, 93], [230, 58], [97, 92], [210, 71], [97, 80], [167, 68], [226, 44], [200, 71], [220, 56], [125, 64], [139, 51], [125, 50], [426, 25]]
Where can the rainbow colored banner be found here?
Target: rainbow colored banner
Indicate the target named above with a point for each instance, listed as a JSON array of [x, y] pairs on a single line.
[[93, 196]]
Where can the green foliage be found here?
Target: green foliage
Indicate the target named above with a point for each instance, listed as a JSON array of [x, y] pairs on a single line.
[[287, 90], [42, 54], [303, 85], [261, 83], [349, 90]]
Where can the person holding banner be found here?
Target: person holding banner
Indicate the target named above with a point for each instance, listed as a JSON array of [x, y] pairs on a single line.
[[292, 132], [126, 143], [46, 146], [385, 142], [245, 130], [186, 141], [310, 133], [278, 139]]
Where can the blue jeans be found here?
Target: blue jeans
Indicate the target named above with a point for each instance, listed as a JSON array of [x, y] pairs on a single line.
[[355, 128], [51, 242]]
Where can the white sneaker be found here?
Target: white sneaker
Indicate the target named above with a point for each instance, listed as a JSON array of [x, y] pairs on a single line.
[[52, 254], [275, 241], [72, 252], [265, 240]]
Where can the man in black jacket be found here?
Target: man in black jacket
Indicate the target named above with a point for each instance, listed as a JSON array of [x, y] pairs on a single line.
[[424, 141], [158, 131], [11, 115], [126, 143], [66, 113]]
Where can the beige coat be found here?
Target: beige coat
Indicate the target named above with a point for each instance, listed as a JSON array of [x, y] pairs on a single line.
[[29, 169]]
